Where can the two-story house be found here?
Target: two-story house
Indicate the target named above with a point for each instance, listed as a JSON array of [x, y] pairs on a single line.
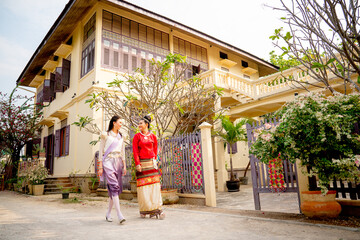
[[91, 41]]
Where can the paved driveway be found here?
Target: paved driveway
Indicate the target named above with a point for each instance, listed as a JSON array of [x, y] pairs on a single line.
[[28, 217]]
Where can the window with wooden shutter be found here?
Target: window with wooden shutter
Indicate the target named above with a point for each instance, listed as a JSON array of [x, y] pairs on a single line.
[[134, 63], [198, 53], [67, 140], [188, 49], [116, 59], [203, 55], [142, 32], [134, 28], [181, 47], [150, 36], [126, 61], [58, 86], [107, 20], [157, 38], [176, 45], [52, 90], [65, 76], [89, 27], [106, 56], [116, 26], [125, 27], [193, 51], [57, 143], [46, 91], [165, 40]]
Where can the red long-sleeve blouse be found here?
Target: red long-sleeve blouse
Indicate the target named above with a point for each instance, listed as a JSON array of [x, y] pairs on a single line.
[[144, 148]]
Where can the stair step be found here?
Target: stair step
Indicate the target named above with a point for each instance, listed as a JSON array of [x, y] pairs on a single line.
[[60, 181], [58, 185]]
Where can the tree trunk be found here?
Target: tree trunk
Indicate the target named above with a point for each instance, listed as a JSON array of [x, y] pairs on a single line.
[[15, 156], [247, 168], [231, 166]]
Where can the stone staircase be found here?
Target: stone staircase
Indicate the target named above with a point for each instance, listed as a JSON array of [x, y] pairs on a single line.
[[53, 185]]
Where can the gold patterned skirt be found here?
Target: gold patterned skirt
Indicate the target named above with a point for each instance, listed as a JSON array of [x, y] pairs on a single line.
[[148, 188]]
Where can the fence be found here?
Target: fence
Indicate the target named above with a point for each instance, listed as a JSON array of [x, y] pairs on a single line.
[[344, 189], [180, 163]]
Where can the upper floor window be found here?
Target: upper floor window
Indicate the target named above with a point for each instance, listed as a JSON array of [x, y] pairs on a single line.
[[62, 139], [87, 58], [135, 30], [89, 27]]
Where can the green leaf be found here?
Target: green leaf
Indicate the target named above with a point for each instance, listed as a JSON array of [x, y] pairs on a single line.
[[330, 61], [317, 65], [358, 79], [180, 108]]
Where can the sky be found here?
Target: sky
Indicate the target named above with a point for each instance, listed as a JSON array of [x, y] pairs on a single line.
[[242, 23]]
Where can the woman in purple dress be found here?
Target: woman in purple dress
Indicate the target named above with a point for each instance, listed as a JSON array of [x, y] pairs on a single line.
[[112, 164]]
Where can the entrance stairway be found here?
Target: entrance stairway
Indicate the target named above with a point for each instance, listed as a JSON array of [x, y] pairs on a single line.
[[54, 185]]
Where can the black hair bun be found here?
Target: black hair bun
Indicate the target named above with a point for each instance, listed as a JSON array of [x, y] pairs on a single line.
[[147, 118]]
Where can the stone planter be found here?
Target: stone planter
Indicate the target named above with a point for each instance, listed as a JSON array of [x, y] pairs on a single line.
[[233, 186], [38, 189], [169, 196], [316, 205]]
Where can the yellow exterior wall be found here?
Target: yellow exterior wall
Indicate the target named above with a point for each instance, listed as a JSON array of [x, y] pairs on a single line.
[[81, 153]]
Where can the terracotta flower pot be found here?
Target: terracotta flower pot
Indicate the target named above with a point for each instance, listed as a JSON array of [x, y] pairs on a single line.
[[316, 205]]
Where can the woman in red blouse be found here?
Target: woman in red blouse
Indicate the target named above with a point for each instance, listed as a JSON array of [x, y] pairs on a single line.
[[147, 174]]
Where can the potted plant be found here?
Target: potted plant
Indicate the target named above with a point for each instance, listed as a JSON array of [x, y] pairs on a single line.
[[65, 191], [37, 177], [93, 184], [35, 151], [232, 133], [320, 133], [42, 153]]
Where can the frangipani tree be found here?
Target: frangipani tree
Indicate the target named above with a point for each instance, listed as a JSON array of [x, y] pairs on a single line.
[[174, 102], [323, 37]]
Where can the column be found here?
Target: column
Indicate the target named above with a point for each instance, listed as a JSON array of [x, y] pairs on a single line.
[[208, 164]]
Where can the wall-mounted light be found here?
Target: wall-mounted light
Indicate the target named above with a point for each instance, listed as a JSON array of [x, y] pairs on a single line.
[[93, 82]]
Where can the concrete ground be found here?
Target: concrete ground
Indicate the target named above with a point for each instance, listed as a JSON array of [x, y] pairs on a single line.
[[244, 200], [49, 217]]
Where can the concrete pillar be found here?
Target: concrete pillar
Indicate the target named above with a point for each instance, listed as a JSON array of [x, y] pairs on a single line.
[[208, 164]]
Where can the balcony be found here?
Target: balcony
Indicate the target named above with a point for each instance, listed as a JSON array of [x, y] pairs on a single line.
[[264, 87]]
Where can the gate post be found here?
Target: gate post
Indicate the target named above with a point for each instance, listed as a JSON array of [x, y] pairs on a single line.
[[303, 181], [208, 164]]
